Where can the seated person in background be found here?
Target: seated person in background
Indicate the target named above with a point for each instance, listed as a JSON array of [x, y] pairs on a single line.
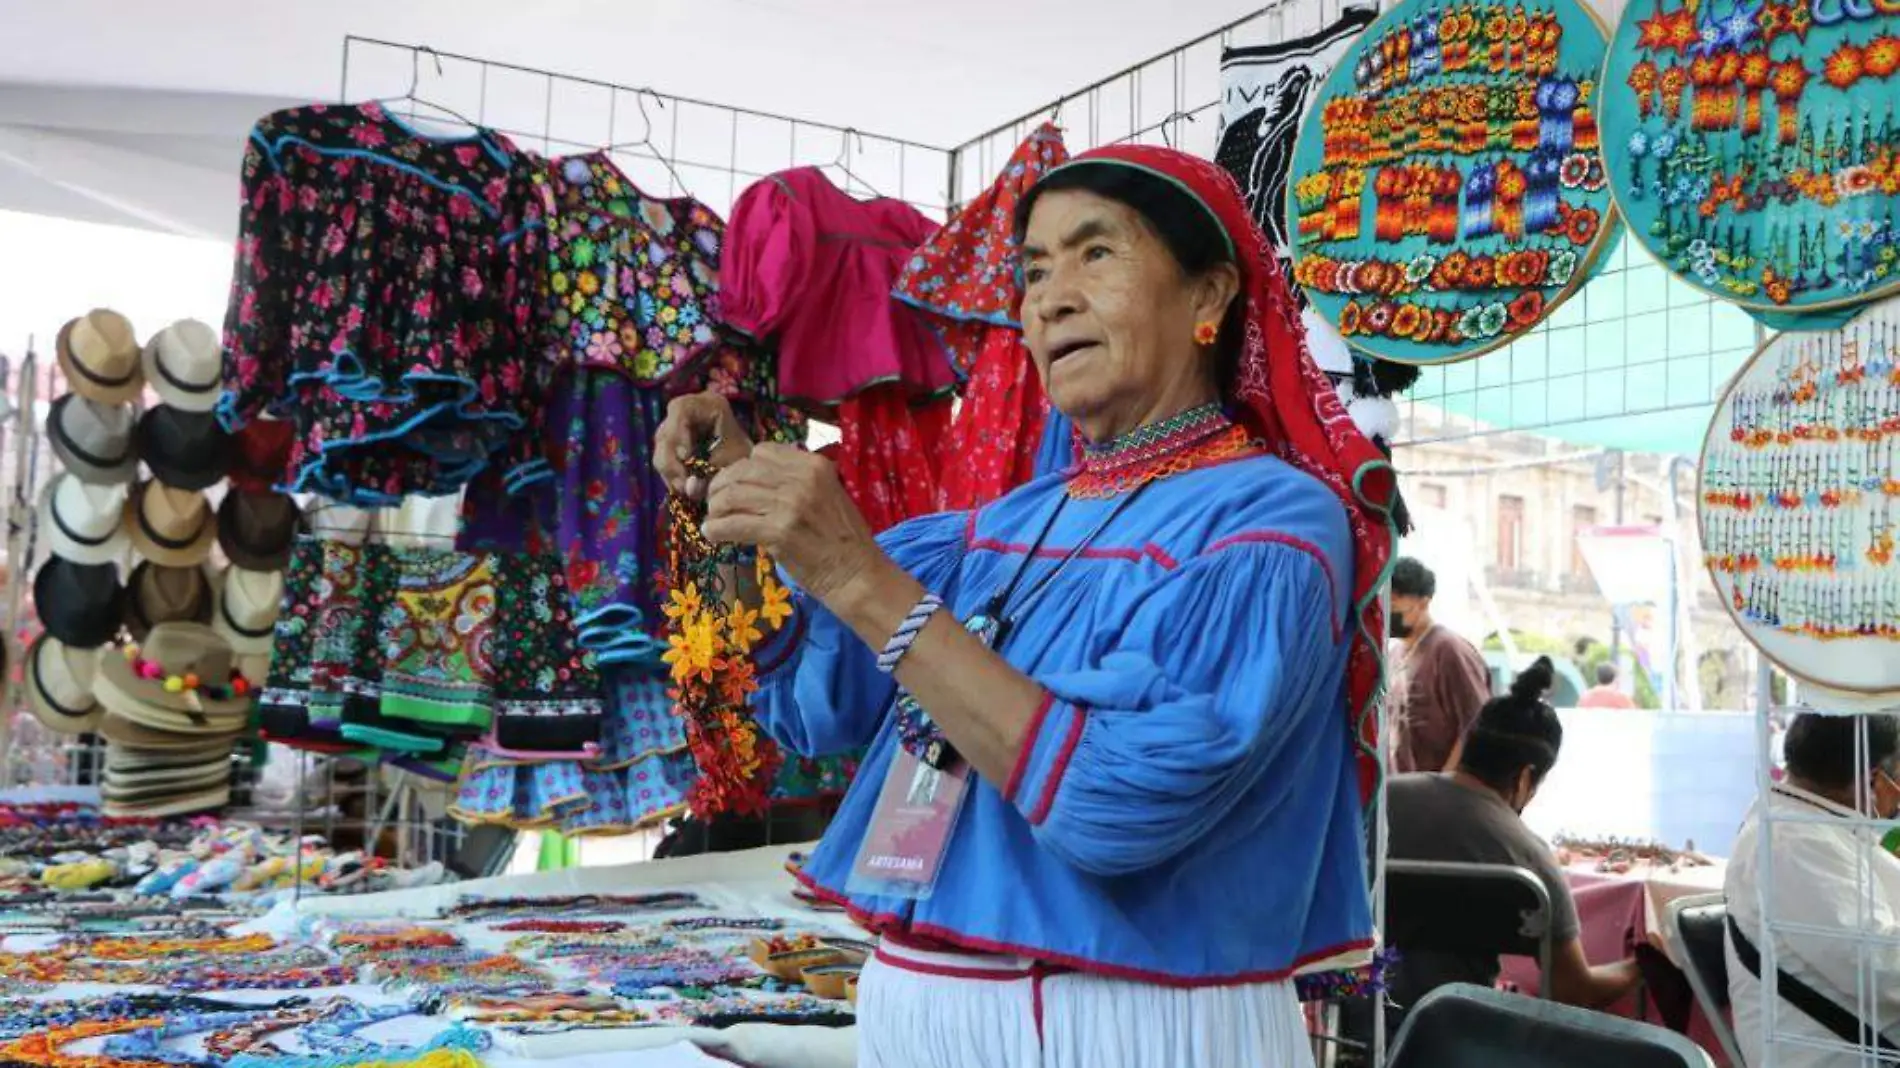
[[1441, 680], [1471, 815], [1831, 875], [1605, 694]]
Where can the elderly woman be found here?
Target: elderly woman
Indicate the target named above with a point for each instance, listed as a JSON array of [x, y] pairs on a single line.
[[1112, 800]]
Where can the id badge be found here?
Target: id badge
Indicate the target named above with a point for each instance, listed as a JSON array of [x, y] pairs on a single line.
[[910, 828]]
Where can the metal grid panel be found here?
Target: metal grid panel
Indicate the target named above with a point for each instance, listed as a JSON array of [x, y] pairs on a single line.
[[668, 145], [1631, 353], [1867, 934], [1172, 99]]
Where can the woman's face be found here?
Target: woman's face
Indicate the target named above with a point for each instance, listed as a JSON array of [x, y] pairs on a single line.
[[1109, 316]]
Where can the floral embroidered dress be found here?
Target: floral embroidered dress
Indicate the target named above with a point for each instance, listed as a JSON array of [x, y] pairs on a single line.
[[964, 280], [631, 313], [383, 300]]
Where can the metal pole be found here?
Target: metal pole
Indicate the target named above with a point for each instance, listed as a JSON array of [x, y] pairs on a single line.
[[1616, 625]]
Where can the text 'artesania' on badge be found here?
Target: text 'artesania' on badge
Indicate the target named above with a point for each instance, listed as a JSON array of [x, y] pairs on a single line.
[[910, 829]]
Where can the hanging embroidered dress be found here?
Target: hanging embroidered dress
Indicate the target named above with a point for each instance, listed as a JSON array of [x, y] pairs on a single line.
[[632, 317], [965, 281], [808, 270], [632, 311], [383, 301]]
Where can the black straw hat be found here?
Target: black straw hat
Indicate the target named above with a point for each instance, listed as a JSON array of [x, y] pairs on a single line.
[[185, 450], [80, 604]]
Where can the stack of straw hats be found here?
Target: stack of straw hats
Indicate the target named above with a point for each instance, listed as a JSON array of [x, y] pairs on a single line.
[[131, 584]]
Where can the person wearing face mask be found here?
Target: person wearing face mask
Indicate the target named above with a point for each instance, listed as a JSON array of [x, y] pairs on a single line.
[[1830, 877], [1442, 679], [1472, 815]]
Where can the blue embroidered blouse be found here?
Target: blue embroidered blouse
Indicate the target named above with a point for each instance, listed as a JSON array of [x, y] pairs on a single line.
[[1185, 809]]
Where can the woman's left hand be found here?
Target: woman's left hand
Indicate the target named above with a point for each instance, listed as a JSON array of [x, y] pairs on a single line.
[[790, 504]]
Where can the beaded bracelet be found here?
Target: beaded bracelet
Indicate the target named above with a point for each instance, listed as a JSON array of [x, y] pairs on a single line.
[[724, 923], [20, 1017], [480, 908], [148, 1044], [337, 1032], [906, 633], [454, 1048], [540, 926], [249, 1036], [294, 979], [45, 1049]]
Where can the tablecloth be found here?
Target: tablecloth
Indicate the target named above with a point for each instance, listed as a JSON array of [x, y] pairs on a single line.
[[1615, 910]]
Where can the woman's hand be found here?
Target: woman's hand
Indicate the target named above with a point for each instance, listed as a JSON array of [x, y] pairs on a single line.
[[790, 503], [691, 421]]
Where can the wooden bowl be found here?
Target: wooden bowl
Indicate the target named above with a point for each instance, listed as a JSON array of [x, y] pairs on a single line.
[[791, 966], [830, 980]]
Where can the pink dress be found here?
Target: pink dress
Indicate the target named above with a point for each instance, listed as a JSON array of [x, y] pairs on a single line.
[[810, 268]]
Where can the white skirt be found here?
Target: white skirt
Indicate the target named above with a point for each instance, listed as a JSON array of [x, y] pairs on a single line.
[[918, 1009]]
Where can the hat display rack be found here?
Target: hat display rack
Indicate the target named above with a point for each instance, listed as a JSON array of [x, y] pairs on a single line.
[[149, 649]]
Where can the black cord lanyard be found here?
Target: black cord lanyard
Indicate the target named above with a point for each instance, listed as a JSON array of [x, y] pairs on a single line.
[[991, 624], [992, 627]]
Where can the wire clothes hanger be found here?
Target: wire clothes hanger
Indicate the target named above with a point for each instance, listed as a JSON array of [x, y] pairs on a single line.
[[844, 154], [646, 137], [415, 83], [1173, 120]]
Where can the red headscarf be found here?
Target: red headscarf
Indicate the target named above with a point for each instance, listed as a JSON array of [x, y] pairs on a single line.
[[1281, 395]]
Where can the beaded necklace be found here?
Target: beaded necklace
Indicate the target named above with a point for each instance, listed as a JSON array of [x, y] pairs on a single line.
[[725, 923], [1196, 438], [710, 638]]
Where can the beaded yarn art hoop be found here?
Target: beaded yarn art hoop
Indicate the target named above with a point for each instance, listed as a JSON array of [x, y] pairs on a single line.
[[1446, 194], [1752, 145], [1800, 487], [710, 640]]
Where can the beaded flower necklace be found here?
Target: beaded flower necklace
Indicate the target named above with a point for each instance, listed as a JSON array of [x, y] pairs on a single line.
[[1196, 438], [710, 639]]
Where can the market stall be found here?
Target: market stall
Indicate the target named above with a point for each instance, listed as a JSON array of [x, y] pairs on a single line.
[[400, 519]]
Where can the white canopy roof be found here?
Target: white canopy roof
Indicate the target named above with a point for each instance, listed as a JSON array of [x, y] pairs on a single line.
[[135, 113]]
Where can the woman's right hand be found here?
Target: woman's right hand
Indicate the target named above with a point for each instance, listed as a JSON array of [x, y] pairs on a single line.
[[692, 421]]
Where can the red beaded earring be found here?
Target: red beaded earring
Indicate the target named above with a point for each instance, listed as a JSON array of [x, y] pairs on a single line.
[[1206, 332]]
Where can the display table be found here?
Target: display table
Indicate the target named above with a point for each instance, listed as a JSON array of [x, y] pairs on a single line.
[[753, 882], [1616, 910], [682, 927]]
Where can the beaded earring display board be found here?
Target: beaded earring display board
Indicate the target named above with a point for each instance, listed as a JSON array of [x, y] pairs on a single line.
[[1800, 489], [1752, 146], [1446, 193]]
